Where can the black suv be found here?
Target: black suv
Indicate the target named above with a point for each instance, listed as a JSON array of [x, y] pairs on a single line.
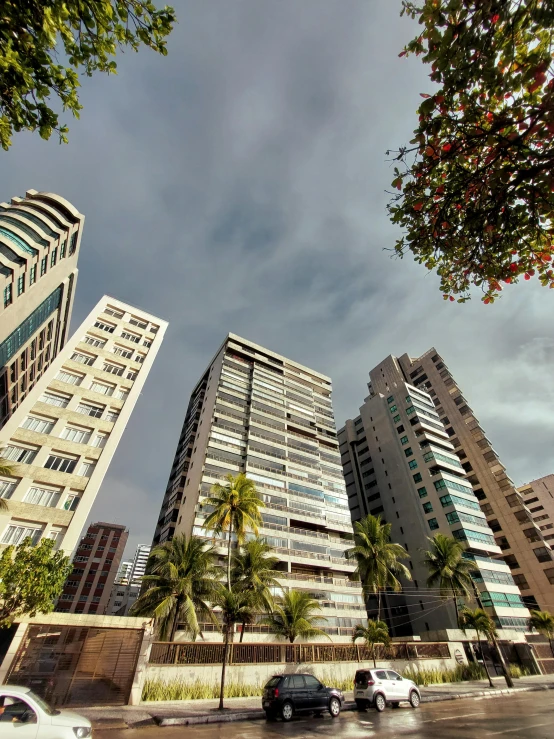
[[285, 695]]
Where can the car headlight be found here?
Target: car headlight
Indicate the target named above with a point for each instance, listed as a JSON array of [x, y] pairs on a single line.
[[81, 732]]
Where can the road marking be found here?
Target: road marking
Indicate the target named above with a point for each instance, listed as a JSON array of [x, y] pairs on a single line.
[[449, 718], [519, 728]]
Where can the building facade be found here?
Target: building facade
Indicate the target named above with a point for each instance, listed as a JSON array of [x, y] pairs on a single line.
[[257, 412], [128, 582], [40, 239], [399, 463], [61, 439], [95, 565], [538, 497]]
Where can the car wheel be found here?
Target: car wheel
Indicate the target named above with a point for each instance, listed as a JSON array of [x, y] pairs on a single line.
[[361, 705], [287, 711], [395, 704], [415, 700], [334, 707], [380, 702]]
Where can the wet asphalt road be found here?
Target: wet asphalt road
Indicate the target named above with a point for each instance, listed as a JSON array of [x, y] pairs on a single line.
[[523, 716]]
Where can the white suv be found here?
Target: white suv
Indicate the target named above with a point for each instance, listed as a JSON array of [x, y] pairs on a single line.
[[379, 687]]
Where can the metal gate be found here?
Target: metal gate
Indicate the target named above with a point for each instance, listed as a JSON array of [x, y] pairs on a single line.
[[544, 652], [71, 666]]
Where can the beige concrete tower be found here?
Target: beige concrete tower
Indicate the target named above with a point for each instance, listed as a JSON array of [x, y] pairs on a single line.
[[40, 238], [63, 436], [538, 497], [258, 412]]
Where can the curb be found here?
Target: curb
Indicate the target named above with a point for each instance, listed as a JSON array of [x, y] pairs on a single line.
[[214, 717]]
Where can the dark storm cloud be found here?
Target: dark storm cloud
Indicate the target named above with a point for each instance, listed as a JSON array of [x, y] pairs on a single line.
[[239, 185]]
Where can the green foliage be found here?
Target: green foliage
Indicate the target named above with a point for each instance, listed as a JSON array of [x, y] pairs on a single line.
[[447, 567], [543, 622], [516, 671], [376, 632], [377, 558], [36, 35], [477, 620], [181, 690], [295, 616], [31, 579], [476, 185], [440, 675], [182, 578], [236, 509], [7, 469]]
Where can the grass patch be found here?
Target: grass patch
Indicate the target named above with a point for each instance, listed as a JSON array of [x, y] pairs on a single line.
[[182, 690], [439, 676]]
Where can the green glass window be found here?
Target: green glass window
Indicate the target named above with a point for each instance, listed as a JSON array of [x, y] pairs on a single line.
[[20, 284], [33, 274], [53, 257], [433, 524], [447, 500], [396, 419], [390, 399], [417, 477], [404, 440], [43, 266], [63, 247], [7, 295], [408, 452], [428, 508], [410, 410], [408, 399], [422, 492], [413, 464], [26, 329], [393, 409], [73, 243]]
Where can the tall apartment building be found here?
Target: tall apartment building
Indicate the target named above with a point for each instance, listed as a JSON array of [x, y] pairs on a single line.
[[258, 412], [128, 583], [62, 438], [95, 565], [40, 238], [399, 462], [538, 497]]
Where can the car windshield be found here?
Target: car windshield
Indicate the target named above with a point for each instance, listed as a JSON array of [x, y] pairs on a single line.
[[43, 704], [273, 682]]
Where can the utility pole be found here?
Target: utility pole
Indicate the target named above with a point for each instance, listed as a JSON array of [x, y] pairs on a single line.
[[507, 676]]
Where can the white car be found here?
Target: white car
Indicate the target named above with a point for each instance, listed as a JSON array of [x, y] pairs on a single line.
[[381, 687], [23, 715]]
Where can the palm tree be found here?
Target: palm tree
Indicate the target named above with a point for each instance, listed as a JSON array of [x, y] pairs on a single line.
[[448, 569], [253, 571], [543, 622], [294, 615], [482, 623], [8, 470], [376, 632], [235, 510], [377, 557], [182, 578], [237, 606]]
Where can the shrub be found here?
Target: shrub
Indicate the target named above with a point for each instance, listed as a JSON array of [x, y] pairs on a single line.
[[438, 675], [181, 690]]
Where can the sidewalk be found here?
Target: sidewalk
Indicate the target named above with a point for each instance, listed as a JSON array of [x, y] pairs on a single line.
[[174, 713]]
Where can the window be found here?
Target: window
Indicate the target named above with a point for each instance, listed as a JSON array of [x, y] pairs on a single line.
[[42, 496], [393, 409], [404, 440], [60, 401], [130, 337], [470, 535], [79, 436], [396, 419], [112, 416], [63, 248], [43, 263], [53, 257], [447, 500], [137, 322], [390, 399], [132, 375], [87, 467], [83, 358], [6, 489], [439, 484], [61, 464], [542, 554], [114, 369], [147, 344], [428, 508], [140, 358], [40, 425], [408, 452], [21, 284], [19, 454], [16, 533], [422, 492], [99, 440], [90, 410], [417, 477], [113, 312], [433, 523], [121, 394], [33, 274], [69, 377], [93, 341], [105, 326], [100, 387], [412, 464], [7, 295], [122, 352], [71, 502]]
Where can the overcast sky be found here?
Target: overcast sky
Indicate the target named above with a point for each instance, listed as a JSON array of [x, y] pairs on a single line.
[[239, 184]]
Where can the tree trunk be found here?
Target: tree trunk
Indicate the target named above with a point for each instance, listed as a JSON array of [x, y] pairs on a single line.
[[484, 661], [507, 676], [456, 607], [229, 555], [175, 621], [378, 604], [373, 654], [242, 632], [223, 668]]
